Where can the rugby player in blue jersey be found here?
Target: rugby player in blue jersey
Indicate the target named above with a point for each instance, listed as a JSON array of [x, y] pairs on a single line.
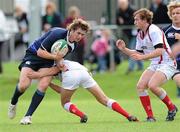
[[38, 58], [74, 75], [172, 33]]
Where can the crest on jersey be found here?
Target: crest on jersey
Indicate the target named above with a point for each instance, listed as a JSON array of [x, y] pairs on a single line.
[[170, 35]]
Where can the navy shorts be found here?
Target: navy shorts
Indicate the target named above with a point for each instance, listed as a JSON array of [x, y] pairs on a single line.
[[178, 69], [35, 62]]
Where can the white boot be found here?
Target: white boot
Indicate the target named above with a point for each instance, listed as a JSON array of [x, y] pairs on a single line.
[[26, 120], [11, 111]]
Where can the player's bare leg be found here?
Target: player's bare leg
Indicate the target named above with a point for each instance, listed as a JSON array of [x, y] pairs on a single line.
[[70, 107], [55, 87], [103, 99], [24, 83], [142, 86], [156, 81], [36, 99]]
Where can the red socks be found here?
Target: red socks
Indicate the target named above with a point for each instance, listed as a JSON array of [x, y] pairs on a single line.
[[145, 100], [166, 100], [168, 103], [73, 109], [116, 107]]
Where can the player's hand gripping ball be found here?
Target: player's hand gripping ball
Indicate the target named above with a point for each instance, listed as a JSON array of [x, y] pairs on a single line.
[[60, 46]]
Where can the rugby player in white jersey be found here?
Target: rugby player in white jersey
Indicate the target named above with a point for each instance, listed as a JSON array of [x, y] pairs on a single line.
[[74, 75], [152, 45]]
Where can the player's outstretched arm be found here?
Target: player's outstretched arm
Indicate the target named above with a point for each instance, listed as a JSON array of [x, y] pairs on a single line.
[[55, 87], [48, 72], [122, 46]]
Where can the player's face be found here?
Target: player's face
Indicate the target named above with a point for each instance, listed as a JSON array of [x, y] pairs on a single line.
[[77, 35], [138, 22], [176, 15]]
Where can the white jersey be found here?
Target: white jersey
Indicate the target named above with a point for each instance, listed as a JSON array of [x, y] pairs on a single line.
[[146, 43], [72, 65], [75, 76]]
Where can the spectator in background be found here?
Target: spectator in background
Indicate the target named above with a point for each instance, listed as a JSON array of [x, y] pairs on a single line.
[[52, 18], [159, 10], [100, 48], [2, 36], [113, 50], [124, 16], [22, 36], [172, 33], [78, 54], [73, 13]]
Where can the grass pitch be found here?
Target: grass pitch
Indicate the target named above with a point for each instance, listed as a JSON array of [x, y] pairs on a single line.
[[50, 116]]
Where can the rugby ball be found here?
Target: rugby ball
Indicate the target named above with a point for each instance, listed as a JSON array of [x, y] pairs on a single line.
[[60, 46]]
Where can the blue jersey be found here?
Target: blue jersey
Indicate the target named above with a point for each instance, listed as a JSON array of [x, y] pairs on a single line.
[[178, 61], [170, 34], [46, 41], [170, 31]]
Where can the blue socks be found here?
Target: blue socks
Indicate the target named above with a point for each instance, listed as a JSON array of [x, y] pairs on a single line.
[[36, 100], [16, 95]]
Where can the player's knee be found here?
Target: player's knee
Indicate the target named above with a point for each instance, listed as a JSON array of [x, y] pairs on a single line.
[[152, 86], [140, 87], [23, 86]]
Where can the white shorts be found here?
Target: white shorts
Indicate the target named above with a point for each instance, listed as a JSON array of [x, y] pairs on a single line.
[[73, 79], [168, 69]]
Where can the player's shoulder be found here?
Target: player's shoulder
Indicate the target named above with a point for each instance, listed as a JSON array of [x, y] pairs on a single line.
[[59, 33], [59, 30], [166, 28], [154, 29]]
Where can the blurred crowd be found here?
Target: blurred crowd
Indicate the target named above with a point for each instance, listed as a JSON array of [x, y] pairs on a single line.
[[102, 50]]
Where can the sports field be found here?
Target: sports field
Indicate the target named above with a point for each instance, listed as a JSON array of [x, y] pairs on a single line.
[[50, 116]]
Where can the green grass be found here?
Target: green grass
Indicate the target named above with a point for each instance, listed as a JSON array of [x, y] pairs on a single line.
[[50, 116]]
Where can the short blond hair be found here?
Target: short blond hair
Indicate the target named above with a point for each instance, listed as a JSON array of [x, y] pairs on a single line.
[[172, 5], [51, 5], [73, 11], [79, 23], [144, 14]]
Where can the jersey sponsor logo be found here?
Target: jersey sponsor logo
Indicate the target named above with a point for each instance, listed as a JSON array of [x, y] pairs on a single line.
[[144, 47], [170, 35], [28, 62]]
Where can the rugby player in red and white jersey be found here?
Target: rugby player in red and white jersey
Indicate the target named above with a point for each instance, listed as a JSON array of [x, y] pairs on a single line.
[[74, 75], [152, 45]]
